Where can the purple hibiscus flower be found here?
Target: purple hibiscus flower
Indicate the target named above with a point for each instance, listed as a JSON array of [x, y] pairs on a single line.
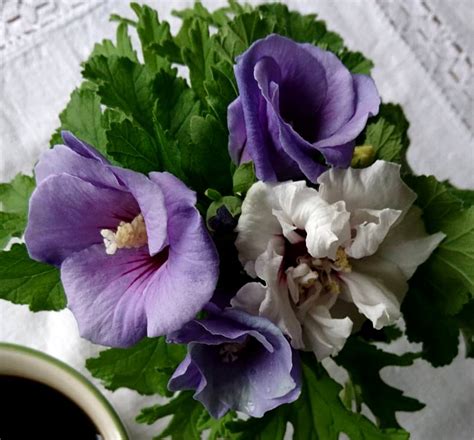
[[299, 108], [134, 254], [236, 361]]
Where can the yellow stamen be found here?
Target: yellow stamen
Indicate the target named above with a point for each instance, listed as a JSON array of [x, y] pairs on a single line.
[[342, 262], [128, 235]]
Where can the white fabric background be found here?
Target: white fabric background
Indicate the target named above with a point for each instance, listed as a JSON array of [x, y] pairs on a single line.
[[43, 42]]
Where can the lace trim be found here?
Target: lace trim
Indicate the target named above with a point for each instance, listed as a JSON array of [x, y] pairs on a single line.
[[444, 57], [23, 23]]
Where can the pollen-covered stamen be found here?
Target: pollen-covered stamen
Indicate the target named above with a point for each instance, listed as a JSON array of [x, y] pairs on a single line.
[[313, 277], [127, 236]]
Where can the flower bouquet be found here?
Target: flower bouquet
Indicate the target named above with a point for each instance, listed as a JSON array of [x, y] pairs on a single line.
[[231, 210]]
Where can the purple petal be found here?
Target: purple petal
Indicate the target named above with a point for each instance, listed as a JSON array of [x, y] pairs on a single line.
[[339, 104], [107, 293], [62, 159], [66, 215], [368, 101], [186, 377], [237, 133], [186, 283], [151, 201], [81, 147]]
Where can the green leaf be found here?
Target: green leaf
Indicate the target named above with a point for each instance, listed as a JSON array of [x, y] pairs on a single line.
[[123, 47], [221, 90], [356, 62], [199, 56], [216, 429], [146, 367], [83, 117], [364, 362], [123, 85], [241, 32], [450, 270], [301, 28], [387, 134], [175, 107], [244, 177], [185, 412], [152, 34], [11, 225], [15, 195], [206, 160], [445, 283], [24, 281], [132, 147], [320, 414], [272, 426], [439, 334]]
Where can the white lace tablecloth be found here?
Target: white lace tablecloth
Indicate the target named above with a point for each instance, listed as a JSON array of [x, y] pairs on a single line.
[[423, 53]]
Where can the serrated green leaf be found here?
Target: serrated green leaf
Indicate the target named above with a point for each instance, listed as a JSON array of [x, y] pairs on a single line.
[[206, 160], [356, 62], [15, 195], [320, 414], [301, 28], [146, 367], [221, 90], [11, 225], [216, 429], [364, 362], [132, 147], [241, 32], [199, 56], [124, 85], [450, 270], [439, 334], [83, 117], [387, 134], [153, 34], [183, 425], [445, 283], [272, 426], [176, 105], [24, 281], [122, 48]]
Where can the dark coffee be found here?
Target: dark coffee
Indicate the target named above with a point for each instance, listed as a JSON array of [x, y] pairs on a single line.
[[32, 410]]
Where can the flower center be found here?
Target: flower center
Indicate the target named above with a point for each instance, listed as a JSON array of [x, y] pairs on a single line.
[[230, 352], [313, 277], [128, 235]]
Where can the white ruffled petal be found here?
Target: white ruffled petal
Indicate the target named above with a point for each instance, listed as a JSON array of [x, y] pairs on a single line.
[[298, 201], [257, 225], [408, 245], [377, 288], [325, 335], [276, 305], [371, 227], [376, 187], [327, 229]]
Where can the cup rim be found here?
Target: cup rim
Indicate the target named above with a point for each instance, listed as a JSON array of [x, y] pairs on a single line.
[[56, 364]]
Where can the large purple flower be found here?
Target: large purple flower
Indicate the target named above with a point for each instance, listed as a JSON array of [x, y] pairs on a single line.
[[236, 361], [299, 109], [134, 254]]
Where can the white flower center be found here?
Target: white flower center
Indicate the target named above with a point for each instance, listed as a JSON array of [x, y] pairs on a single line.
[[313, 277], [128, 235]]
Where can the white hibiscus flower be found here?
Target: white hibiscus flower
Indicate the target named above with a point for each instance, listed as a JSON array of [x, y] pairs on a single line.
[[327, 258]]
